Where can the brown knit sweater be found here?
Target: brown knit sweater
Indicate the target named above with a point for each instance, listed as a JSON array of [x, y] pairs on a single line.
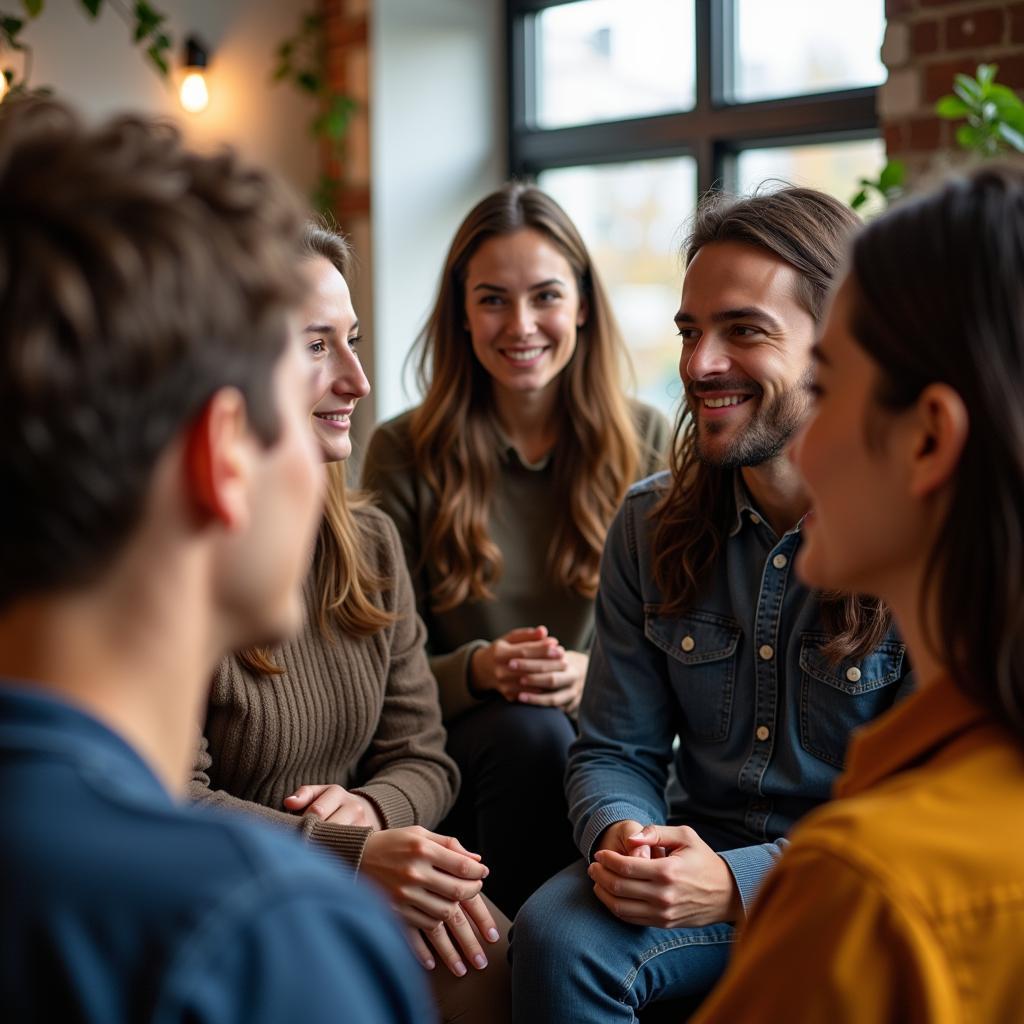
[[359, 712]]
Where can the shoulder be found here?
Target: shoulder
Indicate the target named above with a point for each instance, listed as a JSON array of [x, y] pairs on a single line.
[[283, 910], [379, 534], [394, 434], [647, 492]]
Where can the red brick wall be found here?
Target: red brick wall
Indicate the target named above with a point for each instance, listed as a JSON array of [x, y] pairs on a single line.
[[927, 42]]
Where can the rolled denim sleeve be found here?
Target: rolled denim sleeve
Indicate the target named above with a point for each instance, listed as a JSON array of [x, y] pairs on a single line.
[[618, 767], [749, 865]]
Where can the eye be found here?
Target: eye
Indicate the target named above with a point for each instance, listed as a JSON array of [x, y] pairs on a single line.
[[549, 296], [354, 341], [317, 348], [743, 331], [689, 335], [491, 300]]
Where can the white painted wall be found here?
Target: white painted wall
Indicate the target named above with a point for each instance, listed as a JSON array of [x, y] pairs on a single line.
[[437, 131], [95, 66]]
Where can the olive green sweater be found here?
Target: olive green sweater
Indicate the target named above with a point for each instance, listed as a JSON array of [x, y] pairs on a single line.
[[522, 521], [361, 712]]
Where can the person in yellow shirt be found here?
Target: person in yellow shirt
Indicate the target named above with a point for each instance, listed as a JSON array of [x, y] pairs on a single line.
[[904, 900]]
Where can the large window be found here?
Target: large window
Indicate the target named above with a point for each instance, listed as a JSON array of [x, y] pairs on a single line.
[[627, 110]]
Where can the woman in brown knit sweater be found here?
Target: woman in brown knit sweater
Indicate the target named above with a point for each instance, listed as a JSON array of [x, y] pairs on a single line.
[[337, 734]]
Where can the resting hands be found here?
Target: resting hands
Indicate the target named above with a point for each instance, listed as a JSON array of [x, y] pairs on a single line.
[[663, 876], [434, 884], [527, 666], [335, 804]]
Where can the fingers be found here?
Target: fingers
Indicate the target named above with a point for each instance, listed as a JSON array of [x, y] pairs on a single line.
[[620, 886], [482, 919], [643, 868], [420, 949], [438, 938], [630, 911], [530, 658], [524, 634], [668, 836], [303, 797], [462, 931], [566, 698]]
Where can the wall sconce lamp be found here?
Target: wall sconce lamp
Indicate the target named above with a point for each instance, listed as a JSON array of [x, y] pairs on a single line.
[[194, 95]]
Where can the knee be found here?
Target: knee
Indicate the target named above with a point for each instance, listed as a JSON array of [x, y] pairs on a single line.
[[537, 735], [552, 922]]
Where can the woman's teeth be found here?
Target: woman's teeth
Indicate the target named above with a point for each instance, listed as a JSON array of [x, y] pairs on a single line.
[[523, 355], [334, 417]]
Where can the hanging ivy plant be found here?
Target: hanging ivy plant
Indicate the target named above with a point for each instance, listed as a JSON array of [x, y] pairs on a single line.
[[144, 20], [302, 61]]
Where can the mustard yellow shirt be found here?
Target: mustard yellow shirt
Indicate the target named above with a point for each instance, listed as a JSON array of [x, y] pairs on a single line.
[[904, 901]]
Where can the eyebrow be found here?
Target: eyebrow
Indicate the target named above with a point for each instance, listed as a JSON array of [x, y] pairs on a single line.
[[726, 315], [533, 287], [327, 328]]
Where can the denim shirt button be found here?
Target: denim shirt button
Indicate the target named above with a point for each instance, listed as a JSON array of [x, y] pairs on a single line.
[[766, 651], [853, 674], [780, 561], [762, 733], [687, 643], [755, 518]]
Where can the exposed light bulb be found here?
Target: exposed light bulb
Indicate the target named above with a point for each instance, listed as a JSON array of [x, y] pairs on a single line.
[[194, 95], [3, 86]]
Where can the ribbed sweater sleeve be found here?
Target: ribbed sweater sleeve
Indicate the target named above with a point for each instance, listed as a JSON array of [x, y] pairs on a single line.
[[358, 712]]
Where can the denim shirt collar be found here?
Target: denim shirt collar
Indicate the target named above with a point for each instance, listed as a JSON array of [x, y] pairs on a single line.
[[34, 724], [747, 511]]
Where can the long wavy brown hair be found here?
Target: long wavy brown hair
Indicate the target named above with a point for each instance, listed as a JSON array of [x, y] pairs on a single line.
[[810, 231], [597, 452], [346, 582]]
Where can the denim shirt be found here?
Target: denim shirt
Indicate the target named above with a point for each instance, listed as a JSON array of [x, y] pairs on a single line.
[[118, 905], [762, 717]]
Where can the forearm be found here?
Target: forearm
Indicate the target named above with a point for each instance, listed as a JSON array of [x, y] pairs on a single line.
[[454, 679], [345, 841]]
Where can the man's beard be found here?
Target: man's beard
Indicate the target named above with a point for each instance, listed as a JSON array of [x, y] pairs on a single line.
[[767, 433]]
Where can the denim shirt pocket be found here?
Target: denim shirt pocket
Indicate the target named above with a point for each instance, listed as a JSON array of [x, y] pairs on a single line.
[[836, 698], [701, 649]]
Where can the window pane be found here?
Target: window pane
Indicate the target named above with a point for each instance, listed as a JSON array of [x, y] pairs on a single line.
[[833, 167], [600, 60], [632, 217], [792, 47]]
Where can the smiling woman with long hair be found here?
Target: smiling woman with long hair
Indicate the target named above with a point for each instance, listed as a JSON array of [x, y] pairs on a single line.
[[904, 900], [337, 734], [502, 483]]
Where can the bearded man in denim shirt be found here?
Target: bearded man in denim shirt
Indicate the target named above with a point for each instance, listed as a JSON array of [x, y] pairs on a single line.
[[703, 634]]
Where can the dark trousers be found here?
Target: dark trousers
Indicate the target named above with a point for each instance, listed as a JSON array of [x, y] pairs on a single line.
[[511, 806]]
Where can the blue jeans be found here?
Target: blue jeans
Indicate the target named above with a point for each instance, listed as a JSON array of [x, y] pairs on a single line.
[[572, 960]]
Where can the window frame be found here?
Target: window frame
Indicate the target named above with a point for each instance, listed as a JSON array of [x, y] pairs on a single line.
[[713, 133]]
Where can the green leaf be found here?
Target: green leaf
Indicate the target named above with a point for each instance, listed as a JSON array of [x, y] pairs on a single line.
[[952, 108], [92, 6], [308, 80], [281, 72], [859, 200], [284, 51], [892, 176], [33, 8], [971, 97], [10, 27], [156, 55], [969, 137], [986, 74], [1012, 137]]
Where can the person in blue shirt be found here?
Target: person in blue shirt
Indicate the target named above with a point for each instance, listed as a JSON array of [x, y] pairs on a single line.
[[162, 492], [710, 656]]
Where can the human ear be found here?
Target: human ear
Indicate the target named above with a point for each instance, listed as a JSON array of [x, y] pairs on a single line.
[[217, 460], [941, 429], [583, 313]]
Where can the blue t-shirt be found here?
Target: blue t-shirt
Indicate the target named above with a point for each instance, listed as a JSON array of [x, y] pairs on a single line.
[[116, 904]]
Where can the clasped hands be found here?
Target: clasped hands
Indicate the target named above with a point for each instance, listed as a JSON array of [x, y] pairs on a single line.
[[433, 881], [663, 876], [529, 667]]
